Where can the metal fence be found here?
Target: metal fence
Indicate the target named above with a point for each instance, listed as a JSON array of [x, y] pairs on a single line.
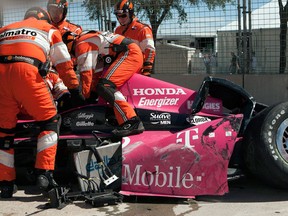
[[204, 43]]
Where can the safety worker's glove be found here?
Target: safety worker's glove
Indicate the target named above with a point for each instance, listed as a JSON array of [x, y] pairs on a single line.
[[77, 99], [147, 69], [93, 99], [64, 102]]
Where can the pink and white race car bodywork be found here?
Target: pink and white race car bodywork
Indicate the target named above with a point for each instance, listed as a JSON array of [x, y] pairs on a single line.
[[184, 163], [191, 138]]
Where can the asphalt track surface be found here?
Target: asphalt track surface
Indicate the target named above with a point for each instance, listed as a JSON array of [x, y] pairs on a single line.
[[247, 197]]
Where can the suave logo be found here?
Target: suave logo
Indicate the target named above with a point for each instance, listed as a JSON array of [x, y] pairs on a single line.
[[157, 178], [159, 91], [161, 116]]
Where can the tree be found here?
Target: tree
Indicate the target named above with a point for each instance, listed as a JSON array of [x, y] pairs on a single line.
[[156, 11], [283, 12]]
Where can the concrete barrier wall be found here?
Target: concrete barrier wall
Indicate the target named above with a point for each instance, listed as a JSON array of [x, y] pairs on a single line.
[[267, 89]]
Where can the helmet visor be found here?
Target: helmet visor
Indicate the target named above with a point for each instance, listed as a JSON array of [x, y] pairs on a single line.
[[56, 12]]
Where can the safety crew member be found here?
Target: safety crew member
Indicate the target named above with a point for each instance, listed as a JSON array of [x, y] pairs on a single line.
[[125, 58], [58, 12], [139, 32], [25, 47]]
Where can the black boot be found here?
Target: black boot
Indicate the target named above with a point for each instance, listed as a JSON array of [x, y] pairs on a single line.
[[130, 127], [45, 180], [7, 189]]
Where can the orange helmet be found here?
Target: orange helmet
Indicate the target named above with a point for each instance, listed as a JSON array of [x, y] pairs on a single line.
[[60, 4], [124, 6], [39, 13]]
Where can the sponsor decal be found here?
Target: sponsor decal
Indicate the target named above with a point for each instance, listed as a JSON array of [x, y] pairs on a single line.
[[93, 165], [188, 137], [197, 120], [273, 125], [160, 118], [85, 116], [67, 121], [18, 32], [211, 106], [84, 124], [215, 106], [108, 59], [84, 120], [158, 102], [158, 91], [21, 58], [174, 178]]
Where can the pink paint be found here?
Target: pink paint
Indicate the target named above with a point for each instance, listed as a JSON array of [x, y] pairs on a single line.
[[150, 93], [186, 163]]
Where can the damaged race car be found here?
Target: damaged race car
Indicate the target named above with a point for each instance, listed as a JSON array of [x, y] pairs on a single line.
[[191, 139]]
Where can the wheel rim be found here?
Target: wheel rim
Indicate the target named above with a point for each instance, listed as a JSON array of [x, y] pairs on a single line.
[[282, 139]]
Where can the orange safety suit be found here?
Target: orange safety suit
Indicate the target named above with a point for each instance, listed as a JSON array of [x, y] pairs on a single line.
[[57, 88], [142, 35], [22, 85], [66, 25], [124, 64]]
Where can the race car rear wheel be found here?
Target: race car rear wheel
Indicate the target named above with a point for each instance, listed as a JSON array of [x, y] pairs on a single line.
[[266, 145]]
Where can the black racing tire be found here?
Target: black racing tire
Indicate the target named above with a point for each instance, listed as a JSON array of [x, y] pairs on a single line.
[[265, 144]]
